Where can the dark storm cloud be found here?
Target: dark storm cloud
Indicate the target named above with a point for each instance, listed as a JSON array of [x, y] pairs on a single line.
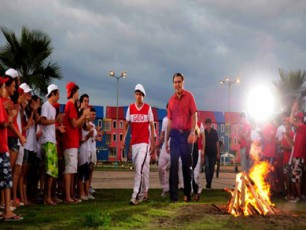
[[151, 40]]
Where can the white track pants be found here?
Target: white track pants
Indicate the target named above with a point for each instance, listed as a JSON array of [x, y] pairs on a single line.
[[163, 164], [141, 161]]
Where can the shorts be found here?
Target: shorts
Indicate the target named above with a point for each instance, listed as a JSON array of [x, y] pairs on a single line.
[[13, 144], [83, 172], [28, 156], [287, 170], [20, 155], [71, 160], [6, 181], [297, 169], [51, 160]]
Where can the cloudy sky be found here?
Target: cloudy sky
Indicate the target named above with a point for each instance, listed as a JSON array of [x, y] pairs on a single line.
[[206, 40]]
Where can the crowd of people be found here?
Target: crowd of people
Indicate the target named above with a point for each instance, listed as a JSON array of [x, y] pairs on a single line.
[[282, 143], [46, 156], [49, 156]]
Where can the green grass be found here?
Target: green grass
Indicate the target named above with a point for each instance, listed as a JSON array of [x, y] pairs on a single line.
[[111, 210]]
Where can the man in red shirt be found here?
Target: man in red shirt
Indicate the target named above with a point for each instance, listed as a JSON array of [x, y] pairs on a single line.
[[182, 115], [299, 149], [140, 116], [5, 167], [244, 141], [71, 138]]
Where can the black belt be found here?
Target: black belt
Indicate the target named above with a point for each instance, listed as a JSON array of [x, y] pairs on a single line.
[[183, 130]]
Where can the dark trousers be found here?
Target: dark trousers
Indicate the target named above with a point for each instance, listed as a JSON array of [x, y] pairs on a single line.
[[210, 162], [180, 148]]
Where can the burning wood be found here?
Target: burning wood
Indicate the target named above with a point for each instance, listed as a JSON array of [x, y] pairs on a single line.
[[248, 197]]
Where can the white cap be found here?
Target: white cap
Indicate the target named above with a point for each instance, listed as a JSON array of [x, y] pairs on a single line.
[[51, 88], [140, 88], [12, 73], [25, 88]]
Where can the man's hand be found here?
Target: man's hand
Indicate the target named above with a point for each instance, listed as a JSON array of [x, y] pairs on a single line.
[[62, 129], [22, 140], [192, 138]]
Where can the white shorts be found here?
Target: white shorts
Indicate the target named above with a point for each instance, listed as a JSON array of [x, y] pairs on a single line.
[[71, 160], [20, 155]]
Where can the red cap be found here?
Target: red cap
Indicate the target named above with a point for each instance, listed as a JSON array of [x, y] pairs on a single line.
[[69, 87], [299, 114], [3, 80]]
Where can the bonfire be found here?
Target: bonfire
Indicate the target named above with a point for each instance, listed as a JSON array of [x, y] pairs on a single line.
[[251, 195]]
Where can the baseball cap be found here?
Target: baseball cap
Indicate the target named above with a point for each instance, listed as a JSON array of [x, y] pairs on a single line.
[[299, 114], [3, 80], [25, 88], [69, 87], [140, 88], [12, 73], [51, 88]]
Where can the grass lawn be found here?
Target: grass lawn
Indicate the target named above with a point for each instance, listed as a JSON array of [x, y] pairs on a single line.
[[111, 210]]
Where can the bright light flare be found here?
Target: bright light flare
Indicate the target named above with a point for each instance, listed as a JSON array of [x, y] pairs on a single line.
[[261, 103]]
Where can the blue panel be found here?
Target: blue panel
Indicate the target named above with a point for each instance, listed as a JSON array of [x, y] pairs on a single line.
[[99, 111], [161, 113], [219, 117]]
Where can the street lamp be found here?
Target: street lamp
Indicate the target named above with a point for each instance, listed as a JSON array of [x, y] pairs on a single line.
[[229, 83], [122, 75]]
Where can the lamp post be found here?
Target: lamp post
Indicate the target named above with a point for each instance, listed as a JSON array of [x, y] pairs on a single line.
[[122, 75], [229, 83]]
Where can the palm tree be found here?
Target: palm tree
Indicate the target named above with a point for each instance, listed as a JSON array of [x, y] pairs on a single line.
[[290, 87], [31, 56]]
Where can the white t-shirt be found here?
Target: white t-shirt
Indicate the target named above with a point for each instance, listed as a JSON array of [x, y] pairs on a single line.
[[84, 155], [164, 129], [31, 144], [92, 140], [48, 131]]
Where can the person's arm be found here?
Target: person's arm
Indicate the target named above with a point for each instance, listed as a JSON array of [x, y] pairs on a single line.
[[294, 109], [168, 135], [124, 132], [80, 121], [161, 139], [202, 136], [192, 138], [218, 150], [152, 143]]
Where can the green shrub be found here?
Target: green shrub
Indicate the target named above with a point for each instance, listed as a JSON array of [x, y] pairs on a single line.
[[97, 218]]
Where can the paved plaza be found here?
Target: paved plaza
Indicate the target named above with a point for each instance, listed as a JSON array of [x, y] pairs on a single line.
[[124, 179]]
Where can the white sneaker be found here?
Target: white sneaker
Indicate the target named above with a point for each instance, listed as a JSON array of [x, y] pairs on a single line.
[[164, 194], [133, 201], [84, 197], [91, 197], [295, 200]]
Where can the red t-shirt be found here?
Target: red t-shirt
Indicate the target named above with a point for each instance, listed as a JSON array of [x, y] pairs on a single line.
[[180, 110], [140, 120], [71, 136], [3, 131], [246, 129], [9, 132], [299, 149], [269, 144], [287, 148]]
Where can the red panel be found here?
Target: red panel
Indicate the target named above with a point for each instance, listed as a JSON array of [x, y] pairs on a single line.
[[155, 114], [203, 115], [234, 117]]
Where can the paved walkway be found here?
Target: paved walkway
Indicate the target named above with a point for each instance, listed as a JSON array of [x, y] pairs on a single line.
[[125, 179]]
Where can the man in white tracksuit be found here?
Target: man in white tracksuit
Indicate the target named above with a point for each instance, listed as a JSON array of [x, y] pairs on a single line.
[[140, 116]]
